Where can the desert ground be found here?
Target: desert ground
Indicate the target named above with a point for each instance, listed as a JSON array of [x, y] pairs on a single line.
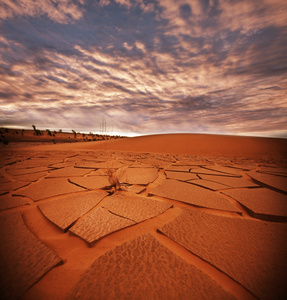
[[179, 216]]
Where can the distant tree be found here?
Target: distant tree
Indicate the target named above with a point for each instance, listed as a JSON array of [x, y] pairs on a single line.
[[37, 132], [60, 130], [49, 132], [75, 133]]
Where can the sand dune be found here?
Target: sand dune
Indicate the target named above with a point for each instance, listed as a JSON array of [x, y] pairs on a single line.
[[191, 144]]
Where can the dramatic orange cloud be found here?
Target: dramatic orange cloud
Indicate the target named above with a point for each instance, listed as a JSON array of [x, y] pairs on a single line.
[[156, 66]]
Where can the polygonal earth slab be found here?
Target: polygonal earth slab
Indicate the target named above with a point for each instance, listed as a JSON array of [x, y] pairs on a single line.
[[16, 172], [61, 165], [68, 172], [154, 162], [224, 170], [191, 163], [91, 182], [135, 208], [273, 170], [48, 188], [245, 167], [87, 165], [183, 176], [175, 168], [98, 172], [11, 185], [31, 163], [192, 194], [210, 184], [136, 189], [139, 175], [99, 223], [114, 164], [251, 252], [230, 181], [262, 203], [277, 182], [211, 172], [30, 177], [145, 269], [65, 211], [140, 165], [9, 201], [3, 179], [23, 258]]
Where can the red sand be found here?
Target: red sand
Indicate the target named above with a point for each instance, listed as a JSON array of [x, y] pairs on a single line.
[[191, 144], [59, 174]]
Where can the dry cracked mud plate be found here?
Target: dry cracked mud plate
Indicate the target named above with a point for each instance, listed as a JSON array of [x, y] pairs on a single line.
[[135, 208], [273, 170], [64, 211], [91, 182], [68, 172], [262, 203], [30, 176], [277, 182], [8, 201], [23, 258], [99, 223], [136, 189], [142, 176], [205, 171], [114, 164], [192, 194], [48, 188], [212, 185], [11, 185], [230, 181], [182, 176], [224, 170], [3, 179], [175, 168], [128, 272], [251, 252], [118, 212], [15, 171]]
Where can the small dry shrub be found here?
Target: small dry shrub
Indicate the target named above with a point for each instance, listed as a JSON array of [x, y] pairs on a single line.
[[115, 175]]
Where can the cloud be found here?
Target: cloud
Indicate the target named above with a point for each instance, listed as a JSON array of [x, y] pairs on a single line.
[[147, 66], [64, 11], [185, 11]]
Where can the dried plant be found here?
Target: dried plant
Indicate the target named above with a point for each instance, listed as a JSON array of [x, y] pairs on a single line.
[[115, 175], [113, 179]]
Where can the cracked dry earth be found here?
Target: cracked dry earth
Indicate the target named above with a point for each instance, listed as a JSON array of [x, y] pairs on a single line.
[[180, 227]]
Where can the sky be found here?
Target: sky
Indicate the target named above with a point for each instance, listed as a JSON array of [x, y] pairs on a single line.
[[145, 66]]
